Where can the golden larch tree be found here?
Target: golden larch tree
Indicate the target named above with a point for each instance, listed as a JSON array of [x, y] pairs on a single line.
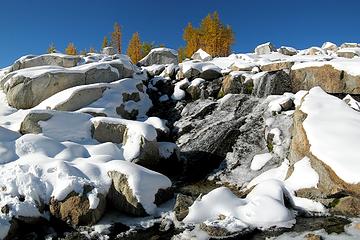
[[134, 48], [116, 37], [212, 36], [71, 49], [105, 43], [51, 48], [191, 36]]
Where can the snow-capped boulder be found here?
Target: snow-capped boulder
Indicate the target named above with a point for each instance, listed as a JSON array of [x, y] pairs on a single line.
[[232, 83], [125, 98], [108, 51], [329, 46], [348, 52], [336, 76], [276, 66], [140, 192], [317, 119], [28, 87], [62, 126], [137, 138], [313, 51], [194, 69], [289, 51], [54, 59], [155, 69], [75, 209], [201, 55], [160, 56], [349, 45], [265, 48]]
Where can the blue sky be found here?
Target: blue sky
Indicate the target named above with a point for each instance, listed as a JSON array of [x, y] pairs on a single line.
[[28, 27]]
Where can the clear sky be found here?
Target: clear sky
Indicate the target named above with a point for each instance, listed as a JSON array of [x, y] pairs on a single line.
[[28, 27]]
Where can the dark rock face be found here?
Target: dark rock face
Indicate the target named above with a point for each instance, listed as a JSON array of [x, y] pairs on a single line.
[[274, 83], [208, 130]]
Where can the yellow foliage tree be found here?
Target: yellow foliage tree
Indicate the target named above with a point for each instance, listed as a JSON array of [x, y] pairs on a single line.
[[134, 48], [212, 36], [105, 42], [71, 49], [116, 37]]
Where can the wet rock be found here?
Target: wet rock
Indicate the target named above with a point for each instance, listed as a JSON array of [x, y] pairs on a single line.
[[275, 83]]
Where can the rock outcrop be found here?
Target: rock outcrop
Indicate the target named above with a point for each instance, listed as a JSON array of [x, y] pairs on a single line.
[[160, 56]]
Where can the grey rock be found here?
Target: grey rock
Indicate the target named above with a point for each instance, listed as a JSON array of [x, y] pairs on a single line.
[[108, 51], [30, 124], [160, 56], [265, 48]]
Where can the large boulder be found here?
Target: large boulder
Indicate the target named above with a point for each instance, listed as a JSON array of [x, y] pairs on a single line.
[[329, 46], [201, 55], [232, 83], [108, 51], [276, 66], [138, 139], [140, 192], [333, 158], [28, 87], [194, 69], [265, 48], [160, 56], [289, 51], [332, 76], [54, 59], [348, 52], [75, 209]]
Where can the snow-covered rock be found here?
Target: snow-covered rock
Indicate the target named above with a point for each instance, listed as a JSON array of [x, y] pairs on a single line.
[[160, 56], [201, 55], [265, 48]]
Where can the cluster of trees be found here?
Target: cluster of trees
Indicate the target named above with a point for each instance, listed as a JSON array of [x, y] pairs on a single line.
[[212, 36]]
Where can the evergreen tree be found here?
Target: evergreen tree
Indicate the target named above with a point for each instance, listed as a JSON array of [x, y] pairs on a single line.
[[105, 43], [71, 49], [51, 48], [116, 37], [134, 48], [146, 48]]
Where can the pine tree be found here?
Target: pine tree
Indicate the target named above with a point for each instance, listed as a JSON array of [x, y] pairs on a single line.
[[51, 48], [146, 48], [134, 48], [71, 49], [105, 43], [116, 37]]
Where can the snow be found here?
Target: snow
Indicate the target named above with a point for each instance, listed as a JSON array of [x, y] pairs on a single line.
[[201, 55], [262, 208], [158, 124], [303, 176], [200, 66], [163, 50], [278, 173], [136, 132], [179, 94], [350, 66], [166, 149], [196, 82], [328, 116], [259, 161], [352, 102], [76, 129]]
